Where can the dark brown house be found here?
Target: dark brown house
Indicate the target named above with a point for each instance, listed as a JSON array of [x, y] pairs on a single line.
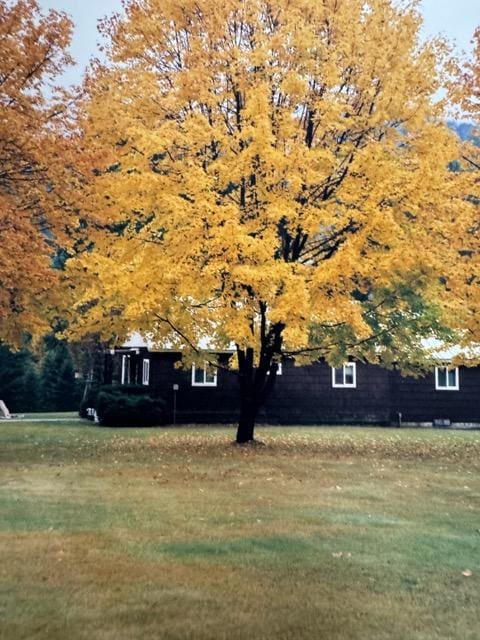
[[355, 393]]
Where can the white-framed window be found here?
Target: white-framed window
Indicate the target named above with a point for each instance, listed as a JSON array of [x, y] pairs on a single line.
[[125, 378], [345, 376], [447, 379], [279, 369], [146, 371], [204, 376]]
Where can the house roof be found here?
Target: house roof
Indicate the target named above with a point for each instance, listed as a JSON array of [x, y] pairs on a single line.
[[446, 353], [137, 341], [439, 350]]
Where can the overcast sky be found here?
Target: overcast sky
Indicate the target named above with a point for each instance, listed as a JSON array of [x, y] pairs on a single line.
[[456, 19]]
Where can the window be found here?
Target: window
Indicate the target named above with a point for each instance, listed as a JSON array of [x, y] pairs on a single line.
[[146, 371], [446, 379], [125, 379], [279, 370], [345, 376], [204, 376]]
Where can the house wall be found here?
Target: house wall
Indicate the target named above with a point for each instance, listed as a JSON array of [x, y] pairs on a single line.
[[418, 400], [302, 395], [305, 395], [193, 404]]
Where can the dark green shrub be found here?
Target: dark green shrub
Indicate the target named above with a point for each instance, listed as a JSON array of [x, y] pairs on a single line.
[[90, 395], [125, 389], [128, 406]]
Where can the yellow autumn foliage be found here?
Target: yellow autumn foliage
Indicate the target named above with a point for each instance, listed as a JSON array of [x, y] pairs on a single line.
[[272, 174]]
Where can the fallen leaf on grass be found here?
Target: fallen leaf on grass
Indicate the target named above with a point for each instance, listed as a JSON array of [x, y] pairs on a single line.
[[467, 573]]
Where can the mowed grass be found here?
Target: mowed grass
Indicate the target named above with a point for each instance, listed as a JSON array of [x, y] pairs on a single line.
[[328, 533]]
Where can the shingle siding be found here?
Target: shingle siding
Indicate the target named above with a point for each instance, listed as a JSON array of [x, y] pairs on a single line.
[[305, 395], [418, 400]]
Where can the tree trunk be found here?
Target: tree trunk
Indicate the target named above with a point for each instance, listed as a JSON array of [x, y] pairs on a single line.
[[248, 404], [246, 423], [256, 383], [253, 394]]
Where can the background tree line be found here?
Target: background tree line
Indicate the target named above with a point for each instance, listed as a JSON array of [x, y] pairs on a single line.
[[54, 376]]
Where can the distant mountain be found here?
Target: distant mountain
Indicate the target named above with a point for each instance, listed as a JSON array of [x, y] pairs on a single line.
[[465, 131]]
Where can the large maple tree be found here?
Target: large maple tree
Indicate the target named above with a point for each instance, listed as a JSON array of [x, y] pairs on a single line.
[[32, 54], [274, 175]]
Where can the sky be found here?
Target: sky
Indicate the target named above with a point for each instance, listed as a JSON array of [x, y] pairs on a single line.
[[455, 19]]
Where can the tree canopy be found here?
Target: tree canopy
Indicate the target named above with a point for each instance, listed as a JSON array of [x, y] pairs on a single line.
[[273, 175], [466, 281], [32, 53]]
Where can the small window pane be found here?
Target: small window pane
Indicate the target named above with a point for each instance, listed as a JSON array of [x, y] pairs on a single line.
[[339, 376], [442, 376], [125, 379], [199, 375], [209, 375], [146, 372], [452, 377], [349, 375]]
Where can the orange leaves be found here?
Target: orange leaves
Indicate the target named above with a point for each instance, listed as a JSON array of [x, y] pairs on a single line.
[[32, 53]]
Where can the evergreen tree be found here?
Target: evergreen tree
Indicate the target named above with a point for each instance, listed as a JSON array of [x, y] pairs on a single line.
[[48, 381], [28, 394], [18, 379], [66, 388], [58, 385], [23, 387]]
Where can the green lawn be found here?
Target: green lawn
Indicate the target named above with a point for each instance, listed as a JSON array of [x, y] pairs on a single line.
[[325, 534], [66, 415]]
